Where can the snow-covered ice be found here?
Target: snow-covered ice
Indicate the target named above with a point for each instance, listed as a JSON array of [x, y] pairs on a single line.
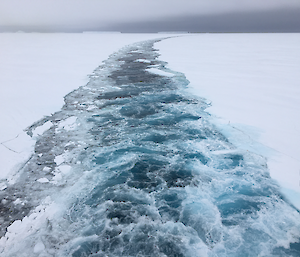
[[235, 75]]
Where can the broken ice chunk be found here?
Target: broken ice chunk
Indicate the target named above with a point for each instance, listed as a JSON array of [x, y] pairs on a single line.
[[65, 169], [43, 180], [39, 247], [46, 169], [143, 60], [160, 72], [41, 129], [68, 124], [59, 159]]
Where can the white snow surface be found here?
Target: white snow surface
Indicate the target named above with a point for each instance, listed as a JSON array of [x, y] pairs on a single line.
[[252, 81]]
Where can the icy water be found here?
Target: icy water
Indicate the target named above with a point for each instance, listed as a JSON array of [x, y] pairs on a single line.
[[132, 166]]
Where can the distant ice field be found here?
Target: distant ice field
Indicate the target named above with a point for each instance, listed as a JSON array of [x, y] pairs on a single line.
[[134, 163]]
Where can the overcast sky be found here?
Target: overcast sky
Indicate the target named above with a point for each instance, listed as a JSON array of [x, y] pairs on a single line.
[[150, 15]]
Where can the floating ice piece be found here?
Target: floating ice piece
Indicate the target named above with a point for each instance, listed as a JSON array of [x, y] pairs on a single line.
[[40, 130], [46, 169], [92, 107], [160, 72], [43, 180], [65, 169], [137, 51], [39, 247], [57, 177], [59, 159], [18, 201], [143, 60], [68, 124]]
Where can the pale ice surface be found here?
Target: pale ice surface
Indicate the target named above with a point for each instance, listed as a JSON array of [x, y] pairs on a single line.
[[252, 81]]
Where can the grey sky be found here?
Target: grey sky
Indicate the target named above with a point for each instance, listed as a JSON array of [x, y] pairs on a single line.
[[150, 15]]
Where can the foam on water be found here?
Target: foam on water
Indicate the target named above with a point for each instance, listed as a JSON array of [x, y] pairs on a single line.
[[132, 166]]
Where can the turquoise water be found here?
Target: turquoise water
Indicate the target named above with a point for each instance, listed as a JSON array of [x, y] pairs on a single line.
[[149, 174]]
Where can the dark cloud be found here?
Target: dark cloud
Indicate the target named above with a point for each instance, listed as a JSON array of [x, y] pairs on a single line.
[[150, 16], [285, 20]]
